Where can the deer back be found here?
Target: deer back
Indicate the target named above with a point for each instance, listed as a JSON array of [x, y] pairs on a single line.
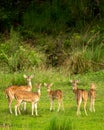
[[81, 93], [55, 94], [13, 89], [26, 96]]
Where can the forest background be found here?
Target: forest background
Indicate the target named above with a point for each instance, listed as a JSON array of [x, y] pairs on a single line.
[[52, 33]]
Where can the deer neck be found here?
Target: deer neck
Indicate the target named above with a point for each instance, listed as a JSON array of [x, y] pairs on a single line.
[[49, 91], [39, 92], [30, 84], [75, 90]]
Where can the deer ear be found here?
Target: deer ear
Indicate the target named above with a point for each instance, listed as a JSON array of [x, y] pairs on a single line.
[[93, 86], [38, 85], [45, 84], [31, 76], [70, 81], [24, 76], [51, 84], [77, 81]]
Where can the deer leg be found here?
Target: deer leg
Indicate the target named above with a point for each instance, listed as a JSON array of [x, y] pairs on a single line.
[[9, 104], [19, 110], [93, 105], [62, 105], [16, 106], [78, 106], [85, 102], [24, 104], [59, 104], [36, 109], [51, 104], [33, 105], [10, 99]]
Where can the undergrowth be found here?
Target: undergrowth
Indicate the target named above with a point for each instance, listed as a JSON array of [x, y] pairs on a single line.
[[74, 52]]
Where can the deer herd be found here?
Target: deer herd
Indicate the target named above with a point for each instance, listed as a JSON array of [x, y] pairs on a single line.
[[23, 94]]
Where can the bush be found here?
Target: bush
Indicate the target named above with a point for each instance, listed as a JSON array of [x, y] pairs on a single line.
[[17, 56], [24, 58], [84, 52], [74, 52]]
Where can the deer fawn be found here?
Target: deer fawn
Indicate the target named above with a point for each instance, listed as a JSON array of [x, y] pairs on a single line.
[[80, 95], [92, 95], [26, 96], [12, 89], [54, 94]]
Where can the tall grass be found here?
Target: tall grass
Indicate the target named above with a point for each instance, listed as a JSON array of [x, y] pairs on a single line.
[[85, 52], [73, 52], [57, 123], [16, 56]]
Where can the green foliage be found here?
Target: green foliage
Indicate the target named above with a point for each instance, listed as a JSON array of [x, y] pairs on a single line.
[[17, 80], [60, 124], [16, 56], [84, 51], [56, 16], [88, 60], [49, 16], [22, 59], [44, 18], [75, 52]]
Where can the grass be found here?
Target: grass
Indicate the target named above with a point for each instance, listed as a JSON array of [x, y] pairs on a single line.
[[47, 120]]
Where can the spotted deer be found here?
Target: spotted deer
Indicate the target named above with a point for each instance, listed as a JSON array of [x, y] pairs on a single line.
[[54, 94], [10, 91], [92, 95], [32, 97], [81, 95]]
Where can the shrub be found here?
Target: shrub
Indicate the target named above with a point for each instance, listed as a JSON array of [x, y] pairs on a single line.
[[16, 55], [24, 58], [84, 52]]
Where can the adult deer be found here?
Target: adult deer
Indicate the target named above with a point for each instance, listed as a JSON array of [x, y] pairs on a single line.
[[54, 94], [26, 96], [92, 95], [81, 95], [10, 91]]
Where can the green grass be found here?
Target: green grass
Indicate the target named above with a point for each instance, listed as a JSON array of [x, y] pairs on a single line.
[[54, 120]]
